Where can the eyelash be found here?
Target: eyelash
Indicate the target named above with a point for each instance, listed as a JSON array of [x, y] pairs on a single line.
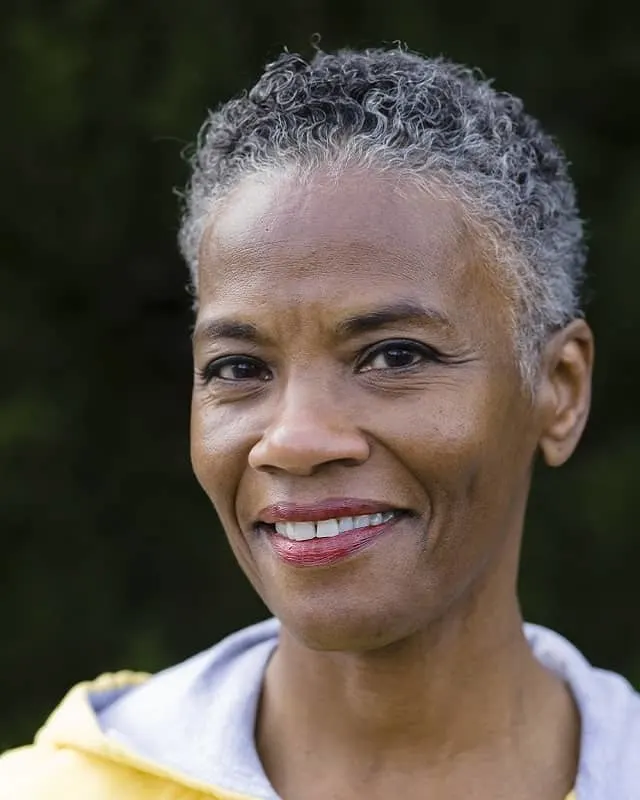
[[209, 373], [428, 354], [405, 346]]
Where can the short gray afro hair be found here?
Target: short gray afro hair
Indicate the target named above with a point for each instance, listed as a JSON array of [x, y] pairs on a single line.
[[425, 119]]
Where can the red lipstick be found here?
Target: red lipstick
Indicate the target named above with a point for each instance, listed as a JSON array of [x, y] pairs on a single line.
[[324, 551], [324, 509]]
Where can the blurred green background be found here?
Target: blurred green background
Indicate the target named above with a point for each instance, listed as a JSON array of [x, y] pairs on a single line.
[[111, 556]]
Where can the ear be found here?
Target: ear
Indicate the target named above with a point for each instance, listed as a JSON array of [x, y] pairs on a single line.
[[565, 390]]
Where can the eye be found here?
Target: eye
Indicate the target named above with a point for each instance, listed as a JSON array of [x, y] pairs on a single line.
[[399, 354], [234, 369]]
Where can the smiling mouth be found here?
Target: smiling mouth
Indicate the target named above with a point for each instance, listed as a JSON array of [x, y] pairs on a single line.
[[324, 542]]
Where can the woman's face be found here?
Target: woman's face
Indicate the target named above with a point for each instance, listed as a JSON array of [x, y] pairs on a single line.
[[354, 357]]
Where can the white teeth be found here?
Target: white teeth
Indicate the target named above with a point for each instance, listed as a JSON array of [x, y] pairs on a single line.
[[300, 531], [326, 528], [345, 524], [303, 531]]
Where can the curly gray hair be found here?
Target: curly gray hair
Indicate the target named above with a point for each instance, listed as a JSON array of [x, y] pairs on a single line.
[[427, 120]]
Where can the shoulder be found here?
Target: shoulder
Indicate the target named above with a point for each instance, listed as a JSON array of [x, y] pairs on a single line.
[[73, 758], [41, 772], [610, 715], [67, 760]]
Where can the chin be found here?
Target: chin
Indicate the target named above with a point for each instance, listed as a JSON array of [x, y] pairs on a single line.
[[329, 629]]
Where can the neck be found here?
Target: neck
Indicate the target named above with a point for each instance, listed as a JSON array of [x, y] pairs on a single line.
[[425, 689], [466, 686]]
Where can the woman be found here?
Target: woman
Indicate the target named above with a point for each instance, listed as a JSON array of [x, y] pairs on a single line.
[[386, 259]]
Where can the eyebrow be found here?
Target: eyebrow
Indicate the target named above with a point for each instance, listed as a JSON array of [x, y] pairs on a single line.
[[228, 329], [402, 311], [391, 314]]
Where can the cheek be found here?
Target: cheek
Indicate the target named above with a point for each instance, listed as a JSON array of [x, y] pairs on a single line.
[[219, 449], [480, 474], [459, 448], [218, 452], [442, 438]]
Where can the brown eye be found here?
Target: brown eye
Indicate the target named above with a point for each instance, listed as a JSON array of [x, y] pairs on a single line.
[[397, 355], [235, 369]]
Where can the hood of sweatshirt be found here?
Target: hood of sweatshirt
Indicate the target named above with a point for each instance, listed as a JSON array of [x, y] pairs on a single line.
[[188, 732]]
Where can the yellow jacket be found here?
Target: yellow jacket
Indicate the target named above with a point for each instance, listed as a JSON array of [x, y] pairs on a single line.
[[71, 759]]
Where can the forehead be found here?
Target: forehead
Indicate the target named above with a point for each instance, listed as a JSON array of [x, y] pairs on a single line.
[[346, 238], [337, 206]]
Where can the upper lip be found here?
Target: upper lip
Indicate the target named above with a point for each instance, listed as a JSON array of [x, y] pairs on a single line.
[[328, 508]]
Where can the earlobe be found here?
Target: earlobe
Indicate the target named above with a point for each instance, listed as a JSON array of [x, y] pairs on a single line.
[[565, 391]]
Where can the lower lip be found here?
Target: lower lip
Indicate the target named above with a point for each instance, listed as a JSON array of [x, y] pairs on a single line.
[[325, 551]]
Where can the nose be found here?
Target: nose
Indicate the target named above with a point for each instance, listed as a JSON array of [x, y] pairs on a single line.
[[308, 431]]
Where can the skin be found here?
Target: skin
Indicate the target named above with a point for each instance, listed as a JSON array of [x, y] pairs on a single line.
[[404, 667]]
